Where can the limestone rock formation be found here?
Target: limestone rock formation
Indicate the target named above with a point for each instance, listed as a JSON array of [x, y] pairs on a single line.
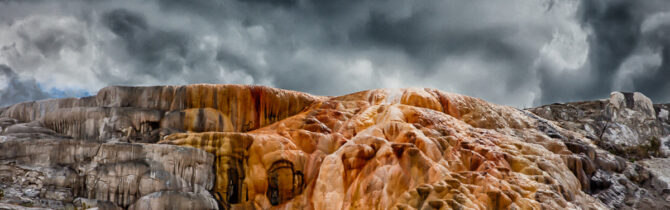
[[626, 124], [251, 147], [632, 135], [37, 169]]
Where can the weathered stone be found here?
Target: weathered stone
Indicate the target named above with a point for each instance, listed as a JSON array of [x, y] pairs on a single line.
[[60, 169], [629, 127], [105, 123], [84, 203], [35, 110], [136, 114], [625, 124], [370, 150], [248, 107], [376, 149], [174, 200], [6, 122]]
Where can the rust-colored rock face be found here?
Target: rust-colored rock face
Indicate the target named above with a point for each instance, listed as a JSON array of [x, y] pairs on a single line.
[[251, 147], [381, 149]]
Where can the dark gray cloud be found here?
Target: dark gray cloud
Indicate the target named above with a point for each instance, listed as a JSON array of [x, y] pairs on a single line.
[[655, 35], [155, 50], [622, 54], [517, 52], [14, 89]]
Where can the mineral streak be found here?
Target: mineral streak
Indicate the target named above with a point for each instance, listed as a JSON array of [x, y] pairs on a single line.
[[242, 147]]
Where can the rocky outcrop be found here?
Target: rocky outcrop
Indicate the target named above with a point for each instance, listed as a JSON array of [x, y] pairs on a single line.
[[174, 200], [142, 114], [370, 150], [626, 128], [625, 124], [244, 147], [38, 168], [663, 115]]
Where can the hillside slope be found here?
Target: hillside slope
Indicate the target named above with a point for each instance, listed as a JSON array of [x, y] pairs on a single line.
[[242, 147]]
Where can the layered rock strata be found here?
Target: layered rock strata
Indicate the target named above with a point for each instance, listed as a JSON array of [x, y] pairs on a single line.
[[371, 150], [41, 169], [143, 113], [244, 147]]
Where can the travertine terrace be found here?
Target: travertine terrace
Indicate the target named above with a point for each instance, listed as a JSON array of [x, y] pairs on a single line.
[[243, 147]]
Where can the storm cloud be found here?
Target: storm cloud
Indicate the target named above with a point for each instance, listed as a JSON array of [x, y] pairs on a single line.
[[518, 52], [17, 89]]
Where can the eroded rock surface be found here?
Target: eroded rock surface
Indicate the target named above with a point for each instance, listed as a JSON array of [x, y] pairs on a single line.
[[371, 150], [38, 168], [625, 124], [245, 147], [626, 128]]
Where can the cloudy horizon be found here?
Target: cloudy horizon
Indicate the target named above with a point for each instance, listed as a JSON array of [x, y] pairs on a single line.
[[520, 52]]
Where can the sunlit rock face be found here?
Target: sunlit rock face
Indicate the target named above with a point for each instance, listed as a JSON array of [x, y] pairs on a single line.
[[246, 147], [394, 149]]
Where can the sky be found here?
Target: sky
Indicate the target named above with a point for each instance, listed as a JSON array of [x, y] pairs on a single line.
[[521, 53]]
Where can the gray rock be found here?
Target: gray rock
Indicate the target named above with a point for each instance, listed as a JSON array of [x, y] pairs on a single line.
[[625, 124], [6, 122], [85, 203], [629, 127], [117, 172], [659, 173], [59, 194], [31, 127], [174, 200], [17, 207], [104, 123], [34, 110]]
